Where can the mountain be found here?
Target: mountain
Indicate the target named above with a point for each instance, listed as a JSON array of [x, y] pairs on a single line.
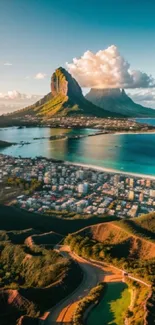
[[65, 99], [117, 101]]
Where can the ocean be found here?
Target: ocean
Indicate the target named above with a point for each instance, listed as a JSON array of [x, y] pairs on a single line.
[[133, 153]]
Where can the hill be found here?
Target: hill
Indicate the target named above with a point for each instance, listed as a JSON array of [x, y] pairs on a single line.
[[143, 226], [33, 278], [120, 242], [146, 222], [48, 239], [65, 99], [117, 101]]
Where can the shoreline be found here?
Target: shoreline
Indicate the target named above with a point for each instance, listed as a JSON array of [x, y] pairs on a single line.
[[101, 131], [132, 132], [89, 166], [111, 170]]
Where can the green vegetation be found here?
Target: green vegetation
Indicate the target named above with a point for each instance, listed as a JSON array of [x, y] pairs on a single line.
[[147, 222], [120, 306], [43, 277], [150, 311], [141, 266], [136, 312], [90, 248], [113, 306], [27, 186], [65, 99], [47, 297], [117, 101], [143, 226], [22, 269], [52, 107], [93, 298], [35, 277], [38, 267]]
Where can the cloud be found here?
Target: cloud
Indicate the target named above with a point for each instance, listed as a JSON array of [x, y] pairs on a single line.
[[7, 63], [107, 69], [40, 75], [16, 95], [13, 100], [144, 97]]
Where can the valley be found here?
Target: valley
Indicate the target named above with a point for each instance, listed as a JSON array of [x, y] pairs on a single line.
[[93, 252]]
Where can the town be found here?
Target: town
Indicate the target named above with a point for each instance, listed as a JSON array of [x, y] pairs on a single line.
[[109, 125], [41, 185]]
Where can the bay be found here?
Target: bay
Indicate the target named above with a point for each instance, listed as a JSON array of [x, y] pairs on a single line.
[[125, 152]]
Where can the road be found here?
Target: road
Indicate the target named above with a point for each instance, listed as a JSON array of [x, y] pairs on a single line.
[[93, 274]]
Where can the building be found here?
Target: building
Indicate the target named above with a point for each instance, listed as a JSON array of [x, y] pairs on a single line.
[[131, 195], [83, 188]]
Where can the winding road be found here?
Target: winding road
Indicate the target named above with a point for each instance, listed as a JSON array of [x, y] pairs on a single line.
[[93, 274]]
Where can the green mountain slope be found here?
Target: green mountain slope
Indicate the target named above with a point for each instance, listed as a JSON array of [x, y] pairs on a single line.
[[117, 101], [65, 99]]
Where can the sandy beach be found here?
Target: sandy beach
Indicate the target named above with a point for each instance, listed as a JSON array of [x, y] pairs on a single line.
[[111, 171]]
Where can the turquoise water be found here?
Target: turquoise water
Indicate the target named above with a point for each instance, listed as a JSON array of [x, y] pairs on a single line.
[[14, 134], [150, 121], [126, 152]]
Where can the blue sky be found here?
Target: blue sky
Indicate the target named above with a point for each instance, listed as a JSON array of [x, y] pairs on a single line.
[[37, 36]]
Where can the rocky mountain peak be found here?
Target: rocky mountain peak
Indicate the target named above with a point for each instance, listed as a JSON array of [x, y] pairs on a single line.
[[115, 100], [63, 83]]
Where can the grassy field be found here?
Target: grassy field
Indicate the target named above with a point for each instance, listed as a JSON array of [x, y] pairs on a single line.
[[120, 306], [112, 308]]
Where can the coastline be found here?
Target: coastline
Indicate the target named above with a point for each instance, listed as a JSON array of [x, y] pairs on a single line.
[[132, 132], [102, 168], [94, 167], [111, 171]]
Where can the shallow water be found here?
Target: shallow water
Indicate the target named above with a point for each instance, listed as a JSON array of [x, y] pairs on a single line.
[[125, 152], [150, 121]]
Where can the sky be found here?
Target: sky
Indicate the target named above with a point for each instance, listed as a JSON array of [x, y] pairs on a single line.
[[38, 36]]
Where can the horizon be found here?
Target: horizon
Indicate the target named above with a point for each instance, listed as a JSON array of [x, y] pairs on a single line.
[[39, 37]]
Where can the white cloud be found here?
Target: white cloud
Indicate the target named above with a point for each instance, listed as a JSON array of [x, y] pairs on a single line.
[[16, 95], [107, 69], [144, 97], [7, 63], [40, 75], [13, 100]]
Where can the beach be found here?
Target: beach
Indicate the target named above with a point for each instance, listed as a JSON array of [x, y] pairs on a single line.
[[111, 171]]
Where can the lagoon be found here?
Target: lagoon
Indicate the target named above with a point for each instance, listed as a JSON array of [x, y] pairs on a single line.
[[134, 153]]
